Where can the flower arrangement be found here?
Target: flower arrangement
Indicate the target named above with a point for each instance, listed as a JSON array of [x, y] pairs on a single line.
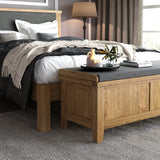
[[111, 54]]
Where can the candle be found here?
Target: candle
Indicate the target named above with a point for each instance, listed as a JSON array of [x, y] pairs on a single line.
[[97, 63]]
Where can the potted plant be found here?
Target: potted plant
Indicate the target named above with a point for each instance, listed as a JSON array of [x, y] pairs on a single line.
[[111, 55]]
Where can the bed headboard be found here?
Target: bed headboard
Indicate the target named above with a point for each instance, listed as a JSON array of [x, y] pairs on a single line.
[[8, 16]]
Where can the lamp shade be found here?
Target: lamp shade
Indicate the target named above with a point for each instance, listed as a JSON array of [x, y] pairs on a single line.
[[84, 9]]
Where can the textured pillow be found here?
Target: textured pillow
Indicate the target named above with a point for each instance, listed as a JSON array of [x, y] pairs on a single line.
[[11, 35], [32, 30], [46, 36]]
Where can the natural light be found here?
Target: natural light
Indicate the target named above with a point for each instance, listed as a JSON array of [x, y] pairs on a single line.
[[151, 24]]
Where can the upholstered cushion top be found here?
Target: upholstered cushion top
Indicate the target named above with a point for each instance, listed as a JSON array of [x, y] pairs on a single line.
[[125, 72]]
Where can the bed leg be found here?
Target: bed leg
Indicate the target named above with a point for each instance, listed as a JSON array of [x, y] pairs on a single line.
[[64, 122], [97, 114], [43, 109]]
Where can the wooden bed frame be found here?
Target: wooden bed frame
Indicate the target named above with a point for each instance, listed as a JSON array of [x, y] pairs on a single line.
[[43, 94]]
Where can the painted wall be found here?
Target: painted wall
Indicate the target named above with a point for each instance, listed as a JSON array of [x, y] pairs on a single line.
[[70, 26], [74, 26], [31, 4]]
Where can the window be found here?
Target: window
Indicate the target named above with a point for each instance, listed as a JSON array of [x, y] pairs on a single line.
[[151, 24]]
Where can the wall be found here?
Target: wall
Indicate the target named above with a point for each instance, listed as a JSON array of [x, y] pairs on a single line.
[[74, 26], [35, 4], [70, 26]]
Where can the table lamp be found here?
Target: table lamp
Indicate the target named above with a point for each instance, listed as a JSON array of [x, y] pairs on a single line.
[[84, 10]]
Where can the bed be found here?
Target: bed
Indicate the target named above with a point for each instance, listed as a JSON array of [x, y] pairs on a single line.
[[43, 92]]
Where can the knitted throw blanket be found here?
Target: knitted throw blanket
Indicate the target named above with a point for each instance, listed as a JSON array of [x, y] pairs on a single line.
[[20, 57]]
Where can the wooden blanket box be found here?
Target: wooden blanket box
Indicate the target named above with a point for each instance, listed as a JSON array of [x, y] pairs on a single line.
[[102, 105]]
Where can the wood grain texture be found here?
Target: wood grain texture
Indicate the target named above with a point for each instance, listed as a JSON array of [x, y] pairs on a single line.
[[155, 95], [102, 105], [58, 18], [130, 80], [132, 118], [54, 91], [73, 94], [97, 113], [43, 108], [126, 99], [77, 75], [64, 122], [44, 94], [79, 95], [29, 10], [79, 120]]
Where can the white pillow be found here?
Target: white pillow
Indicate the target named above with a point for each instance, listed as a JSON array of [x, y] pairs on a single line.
[[31, 29], [6, 35]]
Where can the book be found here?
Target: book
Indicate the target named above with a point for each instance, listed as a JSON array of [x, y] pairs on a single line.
[[137, 64]]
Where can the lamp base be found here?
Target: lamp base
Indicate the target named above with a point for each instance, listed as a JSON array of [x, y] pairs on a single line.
[[84, 27]]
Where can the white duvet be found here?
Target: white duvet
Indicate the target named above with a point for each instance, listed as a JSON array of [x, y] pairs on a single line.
[[46, 69], [18, 58]]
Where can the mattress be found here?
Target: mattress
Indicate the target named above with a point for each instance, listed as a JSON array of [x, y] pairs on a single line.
[[46, 69]]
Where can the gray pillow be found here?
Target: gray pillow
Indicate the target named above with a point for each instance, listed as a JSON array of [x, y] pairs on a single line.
[[11, 35], [46, 36]]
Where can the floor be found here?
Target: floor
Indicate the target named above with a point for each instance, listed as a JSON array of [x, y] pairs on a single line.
[[19, 139]]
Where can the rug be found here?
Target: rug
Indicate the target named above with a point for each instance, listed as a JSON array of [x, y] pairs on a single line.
[[19, 140]]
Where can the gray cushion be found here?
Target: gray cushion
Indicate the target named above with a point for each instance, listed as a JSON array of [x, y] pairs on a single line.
[[126, 72]]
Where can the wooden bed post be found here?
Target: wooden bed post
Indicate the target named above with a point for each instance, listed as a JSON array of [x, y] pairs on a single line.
[[43, 108], [44, 94], [58, 18]]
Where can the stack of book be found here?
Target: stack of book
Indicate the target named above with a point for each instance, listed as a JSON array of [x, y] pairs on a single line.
[[136, 63]]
